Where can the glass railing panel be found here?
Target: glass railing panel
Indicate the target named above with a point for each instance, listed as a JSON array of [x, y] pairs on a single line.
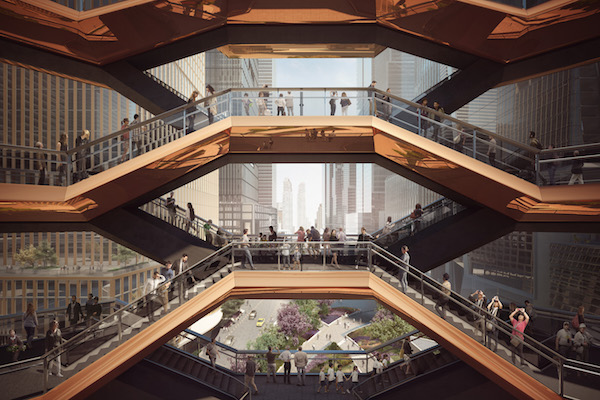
[[129, 319], [543, 354], [410, 225], [18, 164], [199, 227]]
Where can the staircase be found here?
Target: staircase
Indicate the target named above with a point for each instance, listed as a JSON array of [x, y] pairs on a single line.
[[98, 340], [197, 369], [400, 372]]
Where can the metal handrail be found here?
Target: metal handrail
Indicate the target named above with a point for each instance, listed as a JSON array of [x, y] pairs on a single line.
[[399, 364], [472, 307], [408, 220], [63, 347], [162, 130], [160, 202], [198, 359]]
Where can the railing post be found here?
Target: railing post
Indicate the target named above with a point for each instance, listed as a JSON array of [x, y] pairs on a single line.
[[475, 144], [230, 104], [422, 291], [69, 177], [130, 140], [561, 377], [233, 263], [120, 326], [181, 291], [301, 103], [45, 378], [537, 170], [184, 122], [369, 260]]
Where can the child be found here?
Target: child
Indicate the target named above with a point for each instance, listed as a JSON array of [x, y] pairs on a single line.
[[353, 379], [297, 256], [339, 379], [330, 376], [285, 253], [321, 379]]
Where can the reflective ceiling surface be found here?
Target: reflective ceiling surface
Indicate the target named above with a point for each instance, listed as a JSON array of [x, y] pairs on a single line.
[[481, 28], [297, 139]]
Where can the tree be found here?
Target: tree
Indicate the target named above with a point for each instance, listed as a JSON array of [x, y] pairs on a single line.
[[324, 307], [230, 307], [386, 326], [27, 256], [124, 254], [46, 254], [291, 322], [271, 336], [310, 309]]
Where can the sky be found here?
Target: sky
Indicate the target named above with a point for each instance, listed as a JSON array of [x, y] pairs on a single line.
[[310, 72]]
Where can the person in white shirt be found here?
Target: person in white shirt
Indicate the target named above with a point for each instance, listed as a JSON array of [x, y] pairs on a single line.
[[321, 379], [330, 376], [280, 103], [286, 357], [289, 104], [405, 258], [339, 379], [246, 247], [285, 253], [353, 379], [150, 291], [582, 342], [378, 370], [385, 361]]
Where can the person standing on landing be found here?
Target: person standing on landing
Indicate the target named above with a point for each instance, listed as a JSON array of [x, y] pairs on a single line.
[[74, 311], [286, 357], [301, 359]]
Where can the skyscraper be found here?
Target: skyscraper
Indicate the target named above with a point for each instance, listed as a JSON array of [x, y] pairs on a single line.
[[287, 207], [301, 206]]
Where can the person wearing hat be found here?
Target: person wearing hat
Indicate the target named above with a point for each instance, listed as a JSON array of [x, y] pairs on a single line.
[[563, 340], [582, 343]]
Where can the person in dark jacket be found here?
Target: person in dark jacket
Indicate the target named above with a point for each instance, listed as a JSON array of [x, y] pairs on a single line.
[[74, 311]]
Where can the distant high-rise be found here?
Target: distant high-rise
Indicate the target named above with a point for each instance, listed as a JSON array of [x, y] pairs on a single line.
[[354, 196], [320, 221], [287, 207], [301, 206], [267, 184]]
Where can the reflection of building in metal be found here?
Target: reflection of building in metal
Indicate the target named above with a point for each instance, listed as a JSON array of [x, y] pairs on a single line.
[[545, 105], [508, 261], [49, 288], [574, 275], [558, 270], [354, 196]]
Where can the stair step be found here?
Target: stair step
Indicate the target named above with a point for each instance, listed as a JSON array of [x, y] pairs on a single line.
[[196, 369], [188, 366]]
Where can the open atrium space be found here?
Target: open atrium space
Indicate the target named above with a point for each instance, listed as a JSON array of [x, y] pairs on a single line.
[[299, 199]]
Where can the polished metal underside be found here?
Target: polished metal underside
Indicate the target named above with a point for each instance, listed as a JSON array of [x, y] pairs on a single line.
[[480, 28], [303, 285], [285, 139]]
